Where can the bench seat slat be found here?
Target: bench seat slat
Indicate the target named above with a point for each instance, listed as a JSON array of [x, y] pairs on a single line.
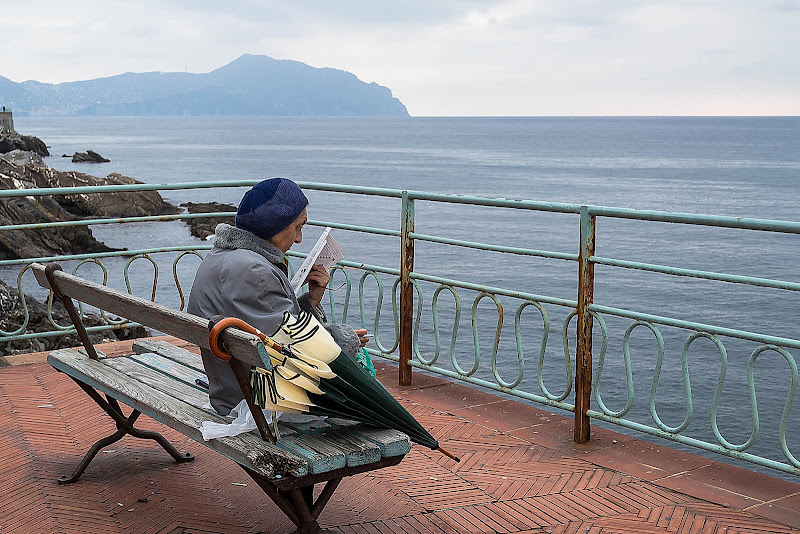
[[391, 442], [259, 456], [191, 395], [320, 454], [167, 349], [362, 451], [168, 367]]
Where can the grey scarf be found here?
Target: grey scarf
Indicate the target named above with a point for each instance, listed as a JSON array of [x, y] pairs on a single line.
[[231, 238]]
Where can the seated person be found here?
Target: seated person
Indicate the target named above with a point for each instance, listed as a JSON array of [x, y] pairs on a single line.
[[245, 275]]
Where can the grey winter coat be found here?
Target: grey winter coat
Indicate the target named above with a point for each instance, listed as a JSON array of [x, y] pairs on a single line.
[[245, 276]]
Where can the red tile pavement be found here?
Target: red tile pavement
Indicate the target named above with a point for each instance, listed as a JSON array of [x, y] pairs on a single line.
[[521, 472]]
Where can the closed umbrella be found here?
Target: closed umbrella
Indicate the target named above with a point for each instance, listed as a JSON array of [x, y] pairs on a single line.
[[312, 375]]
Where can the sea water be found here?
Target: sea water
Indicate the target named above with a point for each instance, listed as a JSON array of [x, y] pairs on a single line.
[[743, 167]]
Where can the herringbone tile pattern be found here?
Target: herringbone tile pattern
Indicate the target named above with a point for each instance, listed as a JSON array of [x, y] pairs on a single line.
[[504, 484]]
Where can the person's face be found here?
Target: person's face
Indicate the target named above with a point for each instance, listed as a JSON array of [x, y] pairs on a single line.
[[290, 235]]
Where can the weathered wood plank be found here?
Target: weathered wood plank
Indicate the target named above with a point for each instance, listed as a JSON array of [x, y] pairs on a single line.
[[320, 454], [287, 483], [171, 378], [337, 422], [189, 393], [339, 448], [170, 368], [360, 450], [167, 349], [173, 322], [260, 456], [391, 442], [192, 395]]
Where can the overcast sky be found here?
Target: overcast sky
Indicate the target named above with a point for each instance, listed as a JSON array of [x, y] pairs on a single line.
[[445, 57]]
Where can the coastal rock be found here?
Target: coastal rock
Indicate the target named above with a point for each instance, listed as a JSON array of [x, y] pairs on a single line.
[[203, 228], [11, 140], [22, 157], [12, 316], [90, 156], [118, 204], [38, 242]]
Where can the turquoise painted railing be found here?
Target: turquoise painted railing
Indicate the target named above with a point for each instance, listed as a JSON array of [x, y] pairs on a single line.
[[580, 385]]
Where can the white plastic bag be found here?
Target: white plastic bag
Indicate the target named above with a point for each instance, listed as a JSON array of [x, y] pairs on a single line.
[[243, 422]]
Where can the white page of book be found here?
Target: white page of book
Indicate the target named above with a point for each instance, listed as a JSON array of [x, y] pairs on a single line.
[[326, 252]]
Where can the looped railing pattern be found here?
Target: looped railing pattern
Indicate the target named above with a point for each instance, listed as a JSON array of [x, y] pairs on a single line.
[[110, 323], [24, 303], [332, 294], [787, 407], [471, 374], [456, 319], [751, 388], [476, 341], [542, 353], [378, 308], [628, 377], [177, 278], [155, 273], [105, 282], [675, 432]]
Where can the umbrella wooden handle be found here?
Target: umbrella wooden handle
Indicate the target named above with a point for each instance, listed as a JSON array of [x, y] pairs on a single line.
[[449, 454], [218, 325]]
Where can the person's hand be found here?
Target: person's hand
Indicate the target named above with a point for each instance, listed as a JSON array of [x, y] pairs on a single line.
[[317, 280], [362, 336]]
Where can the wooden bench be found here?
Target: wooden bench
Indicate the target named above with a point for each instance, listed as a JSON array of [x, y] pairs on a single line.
[[159, 380]]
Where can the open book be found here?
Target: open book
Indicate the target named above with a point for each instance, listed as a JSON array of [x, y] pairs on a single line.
[[326, 252]]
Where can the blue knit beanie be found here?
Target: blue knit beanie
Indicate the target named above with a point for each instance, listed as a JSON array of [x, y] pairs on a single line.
[[270, 206]]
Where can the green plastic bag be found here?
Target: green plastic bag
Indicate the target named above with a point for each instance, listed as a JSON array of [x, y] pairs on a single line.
[[363, 359]]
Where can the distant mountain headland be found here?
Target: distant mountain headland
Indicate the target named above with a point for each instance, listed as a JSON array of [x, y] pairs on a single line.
[[250, 85]]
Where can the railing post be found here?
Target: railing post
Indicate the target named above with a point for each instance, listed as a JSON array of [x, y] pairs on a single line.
[[583, 351], [406, 290]]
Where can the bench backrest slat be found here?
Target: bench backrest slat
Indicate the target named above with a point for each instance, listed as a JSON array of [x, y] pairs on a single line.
[[176, 323]]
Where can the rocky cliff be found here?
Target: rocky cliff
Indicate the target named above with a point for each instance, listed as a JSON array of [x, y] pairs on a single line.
[[39, 242], [11, 140], [203, 228], [118, 204]]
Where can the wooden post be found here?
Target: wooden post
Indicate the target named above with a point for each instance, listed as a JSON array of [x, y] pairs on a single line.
[[406, 291], [583, 351]]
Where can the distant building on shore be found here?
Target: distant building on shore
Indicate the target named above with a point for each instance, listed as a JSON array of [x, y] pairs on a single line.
[[6, 120]]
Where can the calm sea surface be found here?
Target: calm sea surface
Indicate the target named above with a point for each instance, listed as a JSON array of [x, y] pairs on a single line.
[[745, 167]]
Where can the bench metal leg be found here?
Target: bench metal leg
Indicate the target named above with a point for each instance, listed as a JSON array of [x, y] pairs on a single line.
[[298, 503], [124, 427], [295, 495], [97, 447]]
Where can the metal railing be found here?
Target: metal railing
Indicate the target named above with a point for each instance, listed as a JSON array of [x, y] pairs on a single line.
[[580, 393]]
